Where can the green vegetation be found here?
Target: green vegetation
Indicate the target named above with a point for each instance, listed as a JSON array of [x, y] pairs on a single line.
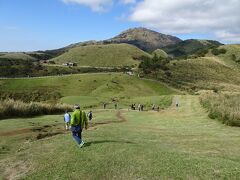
[[216, 51], [224, 107], [175, 143], [11, 108], [149, 65], [106, 85], [190, 47], [160, 53], [111, 55]]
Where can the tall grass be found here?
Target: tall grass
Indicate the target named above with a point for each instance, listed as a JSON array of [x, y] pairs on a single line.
[[225, 107], [12, 108]]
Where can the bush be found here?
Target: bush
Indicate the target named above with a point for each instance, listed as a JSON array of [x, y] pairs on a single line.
[[223, 107], [216, 51], [11, 108]]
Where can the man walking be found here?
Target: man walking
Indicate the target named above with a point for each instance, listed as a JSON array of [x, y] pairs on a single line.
[[78, 122], [67, 119]]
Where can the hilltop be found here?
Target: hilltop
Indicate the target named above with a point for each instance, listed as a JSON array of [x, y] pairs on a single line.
[[144, 39]]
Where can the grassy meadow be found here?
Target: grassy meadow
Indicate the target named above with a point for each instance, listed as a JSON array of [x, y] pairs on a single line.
[[176, 143]]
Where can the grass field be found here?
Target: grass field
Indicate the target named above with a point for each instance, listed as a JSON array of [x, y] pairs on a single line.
[[175, 143], [112, 55], [102, 85]]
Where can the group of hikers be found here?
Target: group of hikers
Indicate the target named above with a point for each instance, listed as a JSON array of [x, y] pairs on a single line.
[[79, 119], [140, 107], [77, 122]]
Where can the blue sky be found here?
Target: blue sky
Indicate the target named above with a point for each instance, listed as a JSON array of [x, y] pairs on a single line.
[[27, 25]]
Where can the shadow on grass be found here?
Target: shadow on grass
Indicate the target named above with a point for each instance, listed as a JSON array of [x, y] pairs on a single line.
[[107, 141]]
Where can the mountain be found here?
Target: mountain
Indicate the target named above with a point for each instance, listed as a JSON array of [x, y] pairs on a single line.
[[190, 47], [105, 55], [144, 39]]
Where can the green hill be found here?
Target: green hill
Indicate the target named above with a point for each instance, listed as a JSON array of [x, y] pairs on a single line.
[[111, 55], [230, 55], [190, 47], [199, 73], [205, 73], [93, 87], [160, 53], [16, 56]]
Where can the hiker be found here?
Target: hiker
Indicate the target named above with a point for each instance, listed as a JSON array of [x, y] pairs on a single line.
[[158, 109], [139, 107], [153, 107], [78, 122], [104, 105], [67, 118], [142, 107], [90, 115], [177, 103]]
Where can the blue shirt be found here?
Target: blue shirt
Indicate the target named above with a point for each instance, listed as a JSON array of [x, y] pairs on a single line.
[[67, 117]]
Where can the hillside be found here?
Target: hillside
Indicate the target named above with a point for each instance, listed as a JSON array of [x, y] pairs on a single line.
[[204, 73], [111, 55], [190, 47], [144, 39], [231, 57], [90, 86], [16, 56]]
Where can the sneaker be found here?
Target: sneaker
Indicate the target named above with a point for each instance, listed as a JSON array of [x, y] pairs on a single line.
[[81, 145]]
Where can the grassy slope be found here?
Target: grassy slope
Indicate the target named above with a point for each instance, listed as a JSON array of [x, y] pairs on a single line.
[[204, 73], [174, 144], [18, 56], [227, 58], [101, 85], [112, 55]]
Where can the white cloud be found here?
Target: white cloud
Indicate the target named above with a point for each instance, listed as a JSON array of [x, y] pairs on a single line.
[[95, 5], [190, 16], [128, 1]]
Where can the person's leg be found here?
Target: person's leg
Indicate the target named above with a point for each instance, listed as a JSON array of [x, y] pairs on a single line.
[[76, 135]]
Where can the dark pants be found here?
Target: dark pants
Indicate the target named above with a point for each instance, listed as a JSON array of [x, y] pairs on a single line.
[[77, 134]]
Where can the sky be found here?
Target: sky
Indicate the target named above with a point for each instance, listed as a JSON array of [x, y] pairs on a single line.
[[29, 25]]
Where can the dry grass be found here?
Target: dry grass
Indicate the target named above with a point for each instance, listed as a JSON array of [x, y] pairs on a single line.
[[225, 107], [12, 108]]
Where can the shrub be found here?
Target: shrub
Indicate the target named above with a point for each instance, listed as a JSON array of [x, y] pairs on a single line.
[[12, 108], [216, 51]]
